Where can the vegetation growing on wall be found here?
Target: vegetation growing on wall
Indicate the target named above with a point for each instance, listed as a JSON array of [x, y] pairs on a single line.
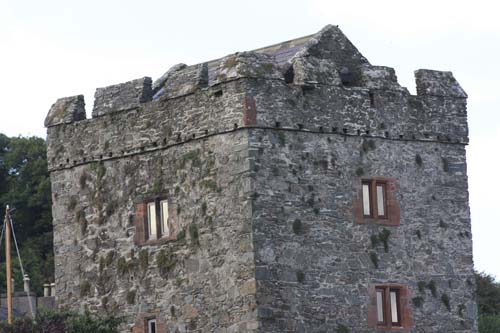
[[63, 321]]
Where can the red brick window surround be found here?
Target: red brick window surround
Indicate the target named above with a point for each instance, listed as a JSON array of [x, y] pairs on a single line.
[[155, 221], [388, 308], [375, 201], [149, 323]]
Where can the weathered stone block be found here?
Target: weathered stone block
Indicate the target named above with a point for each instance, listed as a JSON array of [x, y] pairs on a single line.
[[66, 110], [438, 83], [120, 97]]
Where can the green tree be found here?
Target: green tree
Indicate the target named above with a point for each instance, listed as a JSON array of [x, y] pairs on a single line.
[[488, 303], [25, 186]]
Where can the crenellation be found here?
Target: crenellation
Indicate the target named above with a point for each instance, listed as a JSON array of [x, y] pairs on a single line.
[[65, 111], [121, 97], [261, 159], [438, 83]]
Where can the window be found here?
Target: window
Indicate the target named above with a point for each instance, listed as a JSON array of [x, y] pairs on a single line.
[[389, 307], [158, 219], [154, 220], [376, 201], [151, 326]]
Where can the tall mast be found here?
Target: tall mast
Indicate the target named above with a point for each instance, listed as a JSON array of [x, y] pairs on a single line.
[[7, 261]]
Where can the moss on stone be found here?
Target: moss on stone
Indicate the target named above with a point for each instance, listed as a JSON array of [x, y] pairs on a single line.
[[72, 203], [100, 171], [181, 235], [157, 186], [83, 180], [300, 276], [230, 62], [111, 208], [418, 301], [121, 266], [368, 145], [360, 172], [109, 257], [281, 138], [102, 264], [84, 288], [144, 259], [446, 301], [104, 302], [204, 208], [193, 233], [446, 164], [165, 261], [374, 259], [432, 287], [297, 226], [80, 218], [192, 156], [342, 329], [131, 297], [418, 160], [384, 238], [421, 285], [210, 184]]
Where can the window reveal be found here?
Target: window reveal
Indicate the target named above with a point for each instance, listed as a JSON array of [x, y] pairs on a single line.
[[374, 199], [157, 219]]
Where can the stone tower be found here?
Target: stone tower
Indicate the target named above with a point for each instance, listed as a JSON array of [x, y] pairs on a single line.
[[294, 188]]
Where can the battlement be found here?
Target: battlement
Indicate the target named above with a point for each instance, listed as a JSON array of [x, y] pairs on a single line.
[[281, 189], [315, 83]]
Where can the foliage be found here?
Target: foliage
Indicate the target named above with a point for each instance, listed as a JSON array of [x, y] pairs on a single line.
[[25, 186], [488, 303], [488, 294], [63, 321], [489, 323]]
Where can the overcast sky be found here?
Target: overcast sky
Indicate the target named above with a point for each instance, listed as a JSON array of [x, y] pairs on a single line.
[[51, 49]]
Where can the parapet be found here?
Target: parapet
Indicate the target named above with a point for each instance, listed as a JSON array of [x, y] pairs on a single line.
[[318, 83], [120, 97], [66, 110], [437, 83]]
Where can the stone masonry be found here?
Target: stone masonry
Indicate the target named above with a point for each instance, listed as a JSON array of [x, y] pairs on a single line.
[[262, 156]]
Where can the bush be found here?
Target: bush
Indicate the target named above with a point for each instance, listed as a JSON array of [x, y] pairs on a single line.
[[489, 324], [62, 321]]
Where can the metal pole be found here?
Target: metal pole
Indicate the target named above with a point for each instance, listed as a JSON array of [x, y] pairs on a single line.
[[7, 261]]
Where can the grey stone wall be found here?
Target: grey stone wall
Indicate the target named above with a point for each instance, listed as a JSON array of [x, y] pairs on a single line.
[[208, 281], [244, 147], [316, 279]]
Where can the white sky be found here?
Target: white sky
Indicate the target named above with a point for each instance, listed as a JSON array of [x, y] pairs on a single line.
[[51, 49]]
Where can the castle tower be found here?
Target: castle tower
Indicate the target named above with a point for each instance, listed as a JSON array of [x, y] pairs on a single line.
[[294, 188]]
